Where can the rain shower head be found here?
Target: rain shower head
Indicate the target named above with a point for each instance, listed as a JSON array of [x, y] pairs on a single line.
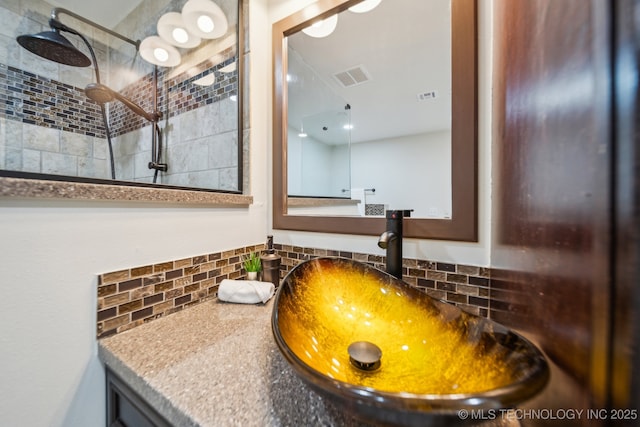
[[55, 47], [103, 94]]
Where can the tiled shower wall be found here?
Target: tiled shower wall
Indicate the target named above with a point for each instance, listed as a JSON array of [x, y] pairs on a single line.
[[131, 297], [47, 124]]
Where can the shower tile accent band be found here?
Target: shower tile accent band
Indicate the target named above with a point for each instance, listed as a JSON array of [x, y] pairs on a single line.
[[37, 100], [32, 99]]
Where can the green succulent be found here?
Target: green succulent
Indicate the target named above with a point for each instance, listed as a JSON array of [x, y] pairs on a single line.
[[252, 262]]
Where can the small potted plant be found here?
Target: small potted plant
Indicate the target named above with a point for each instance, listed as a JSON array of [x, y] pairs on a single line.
[[252, 265]]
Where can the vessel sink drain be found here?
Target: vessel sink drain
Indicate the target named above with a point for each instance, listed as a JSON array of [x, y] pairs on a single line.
[[364, 355]]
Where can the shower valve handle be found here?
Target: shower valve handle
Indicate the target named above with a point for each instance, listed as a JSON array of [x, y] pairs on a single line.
[[163, 167]]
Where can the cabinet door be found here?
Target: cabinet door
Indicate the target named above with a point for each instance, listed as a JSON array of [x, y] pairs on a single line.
[[127, 409]]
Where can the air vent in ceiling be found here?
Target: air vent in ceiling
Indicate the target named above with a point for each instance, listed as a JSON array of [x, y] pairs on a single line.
[[353, 76]]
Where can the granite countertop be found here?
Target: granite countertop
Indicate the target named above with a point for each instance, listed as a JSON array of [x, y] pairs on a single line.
[[216, 364]]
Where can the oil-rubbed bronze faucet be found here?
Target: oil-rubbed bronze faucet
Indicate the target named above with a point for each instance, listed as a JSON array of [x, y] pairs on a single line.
[[391, 240]]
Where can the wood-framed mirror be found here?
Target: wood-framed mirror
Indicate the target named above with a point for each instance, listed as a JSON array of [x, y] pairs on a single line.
[[54, 136], [462, 222]]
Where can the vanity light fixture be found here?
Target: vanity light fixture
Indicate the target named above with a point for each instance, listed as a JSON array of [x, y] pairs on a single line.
[[156, 51], [205, 19], [365, 6], [172, 29], [322, 28]]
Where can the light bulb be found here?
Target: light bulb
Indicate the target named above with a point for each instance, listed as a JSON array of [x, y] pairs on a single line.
[[205, 24], [161, 54], [172, 29], [365, 6], [180, 35], [204, 18], [156, 50], [322, 28]]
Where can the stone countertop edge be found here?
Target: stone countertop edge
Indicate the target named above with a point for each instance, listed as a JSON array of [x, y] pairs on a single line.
[[213, 364], [35, 188]]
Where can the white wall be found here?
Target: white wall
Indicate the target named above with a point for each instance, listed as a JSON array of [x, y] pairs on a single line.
[[421, 183], [51, 254], [456, 252]]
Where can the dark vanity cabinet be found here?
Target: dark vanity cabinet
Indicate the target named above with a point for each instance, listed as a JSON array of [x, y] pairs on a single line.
[[126, 409]]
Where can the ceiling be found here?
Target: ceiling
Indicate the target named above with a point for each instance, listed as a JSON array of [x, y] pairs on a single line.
[[404, 45], [107, 13]]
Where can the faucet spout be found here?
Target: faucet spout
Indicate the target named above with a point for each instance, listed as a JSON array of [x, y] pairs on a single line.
[[386, 238], [391, 240]]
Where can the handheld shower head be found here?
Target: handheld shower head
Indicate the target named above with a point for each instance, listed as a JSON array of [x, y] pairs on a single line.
[[99, 93], [53, 46], [103, 94]]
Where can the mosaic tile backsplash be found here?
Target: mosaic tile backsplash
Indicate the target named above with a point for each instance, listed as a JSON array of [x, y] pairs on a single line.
[[464, 286], [131, 297], [128, 298]]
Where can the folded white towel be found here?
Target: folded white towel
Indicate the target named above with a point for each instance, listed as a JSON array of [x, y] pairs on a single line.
[[245, 291]]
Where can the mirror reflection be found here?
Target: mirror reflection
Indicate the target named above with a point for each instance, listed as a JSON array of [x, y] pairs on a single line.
[[139, 95], [463, 223], [369, 112]]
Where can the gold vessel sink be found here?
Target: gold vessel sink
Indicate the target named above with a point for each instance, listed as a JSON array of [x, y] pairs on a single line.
[[391, 353]]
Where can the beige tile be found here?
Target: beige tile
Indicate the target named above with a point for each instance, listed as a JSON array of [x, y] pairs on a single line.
[[116, 276]]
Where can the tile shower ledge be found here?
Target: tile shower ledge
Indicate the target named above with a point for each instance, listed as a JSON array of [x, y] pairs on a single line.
[[215, 364], [17, 187]]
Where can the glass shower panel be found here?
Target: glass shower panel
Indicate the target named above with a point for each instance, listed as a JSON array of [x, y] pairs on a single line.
[[320, 155]]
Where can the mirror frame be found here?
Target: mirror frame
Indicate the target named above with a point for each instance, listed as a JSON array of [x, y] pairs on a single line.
[[464, 133], [15, 183]]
